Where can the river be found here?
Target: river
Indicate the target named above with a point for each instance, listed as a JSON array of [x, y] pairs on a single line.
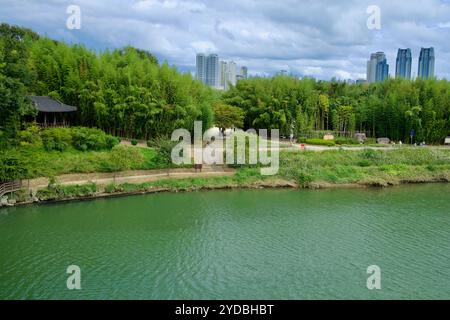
[[267, 244]]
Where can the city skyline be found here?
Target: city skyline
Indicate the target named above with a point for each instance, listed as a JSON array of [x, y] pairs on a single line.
[[323, 41], [217, 73], [378, 66]]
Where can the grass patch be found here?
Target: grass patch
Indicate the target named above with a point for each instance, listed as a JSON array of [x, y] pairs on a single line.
[[58, 192], [43, 163], [320, 142], [365, 166]]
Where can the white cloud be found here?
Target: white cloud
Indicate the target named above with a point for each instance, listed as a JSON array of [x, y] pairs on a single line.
[[321, 38]]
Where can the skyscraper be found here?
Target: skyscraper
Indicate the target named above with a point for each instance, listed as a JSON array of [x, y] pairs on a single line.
[[403, 64], [232, 73], [207, 69], [228, 74], [371, 68], [223, 75], [212, 70], [377, 68], [200, 73], [244, 72], [426, 63]]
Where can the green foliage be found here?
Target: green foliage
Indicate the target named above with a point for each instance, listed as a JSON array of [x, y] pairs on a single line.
[[12, 166], [124, 158], [123, 92], [35, 161], [226, 116], [92, 139], [371, 154], [134, 142], [389, 109], [372, 167], [80, 138], [30, 136], [164, 148], [320, 142], [59, 192], [342, 140], [58, 139]]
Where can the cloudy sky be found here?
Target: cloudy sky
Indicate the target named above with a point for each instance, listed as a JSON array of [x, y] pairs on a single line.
[[320, 38]]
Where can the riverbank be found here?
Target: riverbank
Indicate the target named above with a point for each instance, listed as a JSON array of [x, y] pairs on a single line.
[[312, 170], [92, 192]]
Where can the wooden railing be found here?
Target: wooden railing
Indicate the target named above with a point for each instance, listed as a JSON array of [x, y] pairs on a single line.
[[53, 125], [8, 187]]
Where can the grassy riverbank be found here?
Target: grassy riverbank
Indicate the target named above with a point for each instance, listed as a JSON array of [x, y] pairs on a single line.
[[327, 169], [43, 163], [366, 167]]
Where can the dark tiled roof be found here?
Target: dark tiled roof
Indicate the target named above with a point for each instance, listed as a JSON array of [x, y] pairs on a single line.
[[47, 104]]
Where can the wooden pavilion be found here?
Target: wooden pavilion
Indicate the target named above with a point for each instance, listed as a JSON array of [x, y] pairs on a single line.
[[51, 112]]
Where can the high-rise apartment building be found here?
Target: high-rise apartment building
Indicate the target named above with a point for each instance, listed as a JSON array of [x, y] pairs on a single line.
[[212, 70], [223, 75], [218, 74], [377, 68], [228, 74], [426, 63], [200, 73], [403, 64], [207, 69], [244, 72], [232, 73], [371, 68]]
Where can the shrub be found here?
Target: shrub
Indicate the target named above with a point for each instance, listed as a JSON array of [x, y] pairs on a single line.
[[56, 139], [342, 140], [320, 142], [111, 142], [134, 142], [30, 136], [164, 148], [12, 166], [364, 163], [55, 192], [92, 139], [124, 158], [371, 154], [111, 188]]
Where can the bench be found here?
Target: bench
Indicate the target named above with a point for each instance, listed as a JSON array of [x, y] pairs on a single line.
[[383, 141]]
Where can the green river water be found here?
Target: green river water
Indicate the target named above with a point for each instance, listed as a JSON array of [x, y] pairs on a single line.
[[270, 244]]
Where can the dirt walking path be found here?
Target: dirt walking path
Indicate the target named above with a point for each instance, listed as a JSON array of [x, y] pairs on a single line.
[[137, 176]]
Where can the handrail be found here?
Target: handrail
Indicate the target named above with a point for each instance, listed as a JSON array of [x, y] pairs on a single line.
[[11, 186]]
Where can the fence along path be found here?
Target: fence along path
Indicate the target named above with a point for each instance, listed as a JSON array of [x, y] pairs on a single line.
[[8, 187]]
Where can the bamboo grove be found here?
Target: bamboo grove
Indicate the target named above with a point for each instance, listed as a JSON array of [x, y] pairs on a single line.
[[124, 92], [389, 109], [127, 93]]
